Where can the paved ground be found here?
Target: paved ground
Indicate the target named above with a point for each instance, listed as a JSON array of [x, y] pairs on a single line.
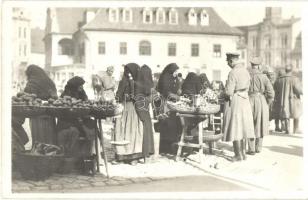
[[278, 167]]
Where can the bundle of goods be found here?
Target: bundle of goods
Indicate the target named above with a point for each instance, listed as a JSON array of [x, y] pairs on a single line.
[[200, 104], [102, 109], [67, 107], [40, 162], [27, 105]]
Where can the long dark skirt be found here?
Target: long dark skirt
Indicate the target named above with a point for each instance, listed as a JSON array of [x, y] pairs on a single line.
[[170, 130], [43, 129]]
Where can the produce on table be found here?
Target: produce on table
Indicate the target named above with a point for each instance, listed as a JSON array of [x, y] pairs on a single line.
[[205, 103], [54, 106]]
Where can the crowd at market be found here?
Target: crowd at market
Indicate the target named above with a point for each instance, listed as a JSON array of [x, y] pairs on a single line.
[[251, 99]]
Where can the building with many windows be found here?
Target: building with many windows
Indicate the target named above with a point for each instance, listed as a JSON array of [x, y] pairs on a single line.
[[21, 44], [82, 41], [276, 40]]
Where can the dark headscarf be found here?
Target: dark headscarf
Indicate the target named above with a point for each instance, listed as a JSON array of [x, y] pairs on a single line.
[[145, 81], [72, 88], [204, 81], [126, 87], [167, 80], [133, 69], [39, 83], [191, 84]]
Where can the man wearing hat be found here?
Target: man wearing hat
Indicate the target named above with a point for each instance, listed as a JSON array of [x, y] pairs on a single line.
[[261, 93], [287, 102], [108, 84], [238, 121]]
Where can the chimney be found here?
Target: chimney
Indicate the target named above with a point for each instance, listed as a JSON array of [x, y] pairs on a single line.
[[89, 16]]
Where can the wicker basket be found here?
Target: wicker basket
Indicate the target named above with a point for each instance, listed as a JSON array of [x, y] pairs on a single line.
[[28, 111], [209, 109], [37, 167], [103, 114]]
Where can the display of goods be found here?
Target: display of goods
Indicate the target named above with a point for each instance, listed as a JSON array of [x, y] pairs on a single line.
[[23, 98], [106, 109], [27, 105], [202, 107]]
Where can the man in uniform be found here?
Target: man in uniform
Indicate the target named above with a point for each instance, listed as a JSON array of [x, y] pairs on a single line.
[[238, 120], [288, 99], [261, 93]]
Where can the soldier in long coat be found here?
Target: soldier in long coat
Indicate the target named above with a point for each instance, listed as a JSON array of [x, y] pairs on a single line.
[[238, 121], [288, 102], [276, 104], [261, 93]]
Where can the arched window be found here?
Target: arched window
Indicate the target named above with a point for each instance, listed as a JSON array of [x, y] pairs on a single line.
[[204, 18], [160, 16], [192, 17], [147, 16], [173, 16], [113, 15], [145, 48], [127, 15], [66, 47]]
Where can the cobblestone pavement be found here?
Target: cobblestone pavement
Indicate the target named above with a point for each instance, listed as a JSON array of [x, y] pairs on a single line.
[[278, 167], [121, 174]]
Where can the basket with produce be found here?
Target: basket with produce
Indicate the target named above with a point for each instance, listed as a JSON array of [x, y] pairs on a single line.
[[27, 105], [67, 107], [102, 109]]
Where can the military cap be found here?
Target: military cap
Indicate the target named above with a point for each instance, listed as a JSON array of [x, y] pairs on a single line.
[[256, 61], [232, 55]]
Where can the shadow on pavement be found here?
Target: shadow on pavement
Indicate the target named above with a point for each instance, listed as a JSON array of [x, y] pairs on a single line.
[[294, 150], [273, 133]]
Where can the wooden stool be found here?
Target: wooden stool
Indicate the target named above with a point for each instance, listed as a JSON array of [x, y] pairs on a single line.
[[182, 143]]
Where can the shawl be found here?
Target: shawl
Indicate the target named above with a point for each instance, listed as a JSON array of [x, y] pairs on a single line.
[[72, 88], [39, 83]]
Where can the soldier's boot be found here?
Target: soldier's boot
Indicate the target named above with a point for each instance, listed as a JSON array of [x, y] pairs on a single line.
[[277, 128], [237, 154], [296, 125], [259, 144], [243, 148], [287, 126]]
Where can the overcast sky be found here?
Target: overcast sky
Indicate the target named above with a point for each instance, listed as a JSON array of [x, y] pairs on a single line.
[[234, 16]]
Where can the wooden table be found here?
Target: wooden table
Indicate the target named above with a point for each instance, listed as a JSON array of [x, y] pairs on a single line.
[[186, 121]]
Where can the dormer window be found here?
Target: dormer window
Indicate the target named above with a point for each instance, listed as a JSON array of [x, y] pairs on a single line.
[[160, 16], [147, 16], [204, 18], [173, 16], [113, 15], [192, 17], [127, 15]]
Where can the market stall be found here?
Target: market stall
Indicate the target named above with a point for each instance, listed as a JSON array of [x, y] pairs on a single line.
[[29, 106], [192, 112]]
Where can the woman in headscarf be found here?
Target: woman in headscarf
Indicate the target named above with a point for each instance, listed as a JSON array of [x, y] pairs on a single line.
[[71, 129], [129, 127], [170, 128], [42, 127], [205, 83], [191, 85], [142, 102]]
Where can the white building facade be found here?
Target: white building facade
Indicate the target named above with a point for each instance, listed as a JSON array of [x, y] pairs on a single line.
[[194, 38], [21, 41]]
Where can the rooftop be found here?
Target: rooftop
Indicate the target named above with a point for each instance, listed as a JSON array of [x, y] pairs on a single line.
[[217, 26]]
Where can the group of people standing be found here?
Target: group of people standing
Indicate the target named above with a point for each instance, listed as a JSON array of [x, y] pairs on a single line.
[[250, 100]]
